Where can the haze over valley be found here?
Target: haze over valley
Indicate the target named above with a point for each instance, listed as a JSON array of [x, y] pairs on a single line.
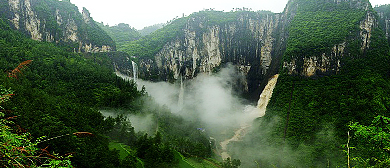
[[289, 83]]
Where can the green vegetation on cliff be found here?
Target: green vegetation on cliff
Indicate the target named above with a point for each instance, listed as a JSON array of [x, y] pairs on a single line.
[[121, 33], [57, 93], [384, 17], [150, 45], [313, 114], [318, 26], [58, 18]]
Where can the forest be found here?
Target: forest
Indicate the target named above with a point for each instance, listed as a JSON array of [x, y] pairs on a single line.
[[329, 119], [56, 103], [50, 101]]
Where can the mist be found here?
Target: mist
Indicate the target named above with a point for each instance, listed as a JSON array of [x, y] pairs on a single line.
[[213, 102], [209, 99], [141, 123]]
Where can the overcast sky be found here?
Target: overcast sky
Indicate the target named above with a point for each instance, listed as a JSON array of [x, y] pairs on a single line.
[[141, 13]]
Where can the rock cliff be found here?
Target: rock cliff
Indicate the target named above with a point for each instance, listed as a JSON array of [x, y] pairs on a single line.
[[324, 56], [384, 19], [57, 21], [260, 43]]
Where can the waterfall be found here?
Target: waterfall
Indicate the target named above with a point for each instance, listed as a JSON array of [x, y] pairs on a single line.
[[135, 71], [266, 94], [259, 111], [181, 94]]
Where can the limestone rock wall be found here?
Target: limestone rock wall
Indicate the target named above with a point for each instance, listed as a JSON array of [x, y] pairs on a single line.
[[247, 43], [59, 22]]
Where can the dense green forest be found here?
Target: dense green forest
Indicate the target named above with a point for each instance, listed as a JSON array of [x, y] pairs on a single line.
[[53, 97], [58, 19], [329, 120], [121, 33], [150, 29]]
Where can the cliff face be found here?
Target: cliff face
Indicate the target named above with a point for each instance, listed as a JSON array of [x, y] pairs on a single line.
[[310, 38], [384, 19], [325, 57], [247, 43], [59, 22]]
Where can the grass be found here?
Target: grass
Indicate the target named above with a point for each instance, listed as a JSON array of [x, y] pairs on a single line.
[[193, 162], [124, 150], [203, 163], [182, 161]]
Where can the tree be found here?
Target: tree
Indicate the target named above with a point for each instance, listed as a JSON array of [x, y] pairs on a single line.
[[228, 163], [372, 143]]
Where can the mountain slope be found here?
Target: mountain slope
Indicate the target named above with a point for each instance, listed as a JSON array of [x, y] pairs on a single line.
[[121, 33], [205, 41], [335, 72], [57, 21], [333, 60]]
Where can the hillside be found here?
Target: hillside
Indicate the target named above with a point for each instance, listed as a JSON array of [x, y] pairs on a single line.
[[52, 97], [333, 61], [204, 41], [121, 33], [65, 99], [59, 22]]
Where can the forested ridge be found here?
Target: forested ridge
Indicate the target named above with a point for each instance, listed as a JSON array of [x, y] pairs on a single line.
[[51, 97], [329, 119], [151, 44], [56, 21], [51, 100]]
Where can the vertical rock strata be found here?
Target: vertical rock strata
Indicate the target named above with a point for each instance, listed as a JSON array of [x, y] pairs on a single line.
[[58, 22]]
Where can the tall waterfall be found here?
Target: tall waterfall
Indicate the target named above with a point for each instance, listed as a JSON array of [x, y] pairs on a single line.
[[266, 94], [259, 111], [135, 71]]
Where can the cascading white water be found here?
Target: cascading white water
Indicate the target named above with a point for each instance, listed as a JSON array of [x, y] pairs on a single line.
[[135, 71], [259, 111], [266, 95], [181, 94]]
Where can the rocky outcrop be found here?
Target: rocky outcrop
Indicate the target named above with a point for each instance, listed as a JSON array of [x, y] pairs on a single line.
[[59, 22], [247, 42], [254, 42], [328, 63], [366, 27], [384, 19]]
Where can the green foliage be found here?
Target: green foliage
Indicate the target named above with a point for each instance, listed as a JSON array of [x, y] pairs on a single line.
[[17, 150], [317, 26], [359, 92], [384, 14], [121, 33], [372, 143], [150, 29], [48, 11], [228, 163], [175, 134], [149, 45], [58, 92]]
